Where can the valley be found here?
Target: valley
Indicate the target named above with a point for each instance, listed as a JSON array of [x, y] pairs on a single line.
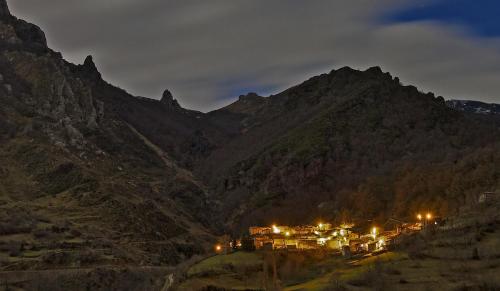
[[104, 190]]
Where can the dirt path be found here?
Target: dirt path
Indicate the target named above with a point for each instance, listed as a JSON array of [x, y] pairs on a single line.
[[167, 160]]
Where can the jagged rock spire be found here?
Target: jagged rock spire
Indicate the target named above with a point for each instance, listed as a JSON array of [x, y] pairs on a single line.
[[168, 99], [4, 8], [89, 69], [89, 63]]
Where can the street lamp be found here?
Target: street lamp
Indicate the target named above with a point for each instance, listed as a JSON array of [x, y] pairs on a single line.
[[419, 217]]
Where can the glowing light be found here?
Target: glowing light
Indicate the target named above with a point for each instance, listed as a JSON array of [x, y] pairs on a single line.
[[428, 216], [342, 232], [374, 232], [218, 248], [419, 216], [287, 233], [316, 232], [335, 233], [320, 225], [276, 229]]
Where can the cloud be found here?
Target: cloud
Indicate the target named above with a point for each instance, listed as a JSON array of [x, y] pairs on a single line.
[[208, 52]]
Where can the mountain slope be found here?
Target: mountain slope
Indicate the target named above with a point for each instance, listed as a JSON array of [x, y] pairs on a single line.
[[350, 144], [80, 185]]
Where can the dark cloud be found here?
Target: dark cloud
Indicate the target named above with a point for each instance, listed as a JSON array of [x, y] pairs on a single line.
[[207, 52]]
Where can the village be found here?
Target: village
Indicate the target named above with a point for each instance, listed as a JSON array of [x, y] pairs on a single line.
[[346, 239]]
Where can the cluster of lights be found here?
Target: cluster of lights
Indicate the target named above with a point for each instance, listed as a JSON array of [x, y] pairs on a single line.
[[276, 229], [428, 216]]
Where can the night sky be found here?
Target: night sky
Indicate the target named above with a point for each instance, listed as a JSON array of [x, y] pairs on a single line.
[[209, 52]]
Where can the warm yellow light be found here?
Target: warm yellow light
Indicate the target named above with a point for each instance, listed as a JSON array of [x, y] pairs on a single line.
[[276, 229], [419, 216], [429, 216], [335, 233], [218, 248], [342, 232], [320, 225], [374, 231], [287, 233]]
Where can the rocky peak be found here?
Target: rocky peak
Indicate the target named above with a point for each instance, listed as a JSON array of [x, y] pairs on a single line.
[[168, 100], [89, 63], [89, 69], [250, 96], [4, 8]]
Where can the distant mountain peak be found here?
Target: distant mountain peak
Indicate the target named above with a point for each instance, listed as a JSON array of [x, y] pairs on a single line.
[[249, 96], [376, 70]]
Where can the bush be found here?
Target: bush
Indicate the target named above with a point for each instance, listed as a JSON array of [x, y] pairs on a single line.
[[14, 248], [88, 256], [40, 233]]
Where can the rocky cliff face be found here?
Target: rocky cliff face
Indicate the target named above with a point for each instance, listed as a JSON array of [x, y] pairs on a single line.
[[76, 173]]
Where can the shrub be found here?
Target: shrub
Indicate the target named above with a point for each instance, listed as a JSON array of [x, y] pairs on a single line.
[[40, 233], [88, 256], [14, 248]]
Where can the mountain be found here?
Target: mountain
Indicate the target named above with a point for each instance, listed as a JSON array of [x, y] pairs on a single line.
[[91, 175], [474, 107], [349, 145], [81, 182]]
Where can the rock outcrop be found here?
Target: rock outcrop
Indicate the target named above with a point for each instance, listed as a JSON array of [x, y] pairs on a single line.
[[89, 69], [4, 9], [168, 100]]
